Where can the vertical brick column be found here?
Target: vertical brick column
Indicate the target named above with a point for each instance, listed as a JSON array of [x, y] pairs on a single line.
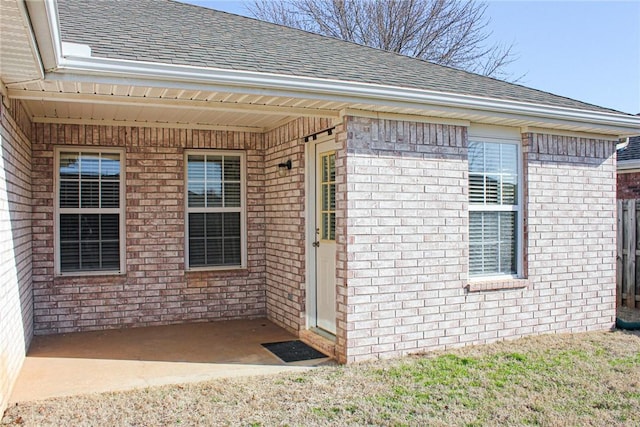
[[285, 222], [406, 235]]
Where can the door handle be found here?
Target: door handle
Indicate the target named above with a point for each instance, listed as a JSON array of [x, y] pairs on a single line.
[[316, 244]]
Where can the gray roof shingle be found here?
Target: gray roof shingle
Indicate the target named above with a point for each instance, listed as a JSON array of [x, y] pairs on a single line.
[[631, 151], [170, 32]]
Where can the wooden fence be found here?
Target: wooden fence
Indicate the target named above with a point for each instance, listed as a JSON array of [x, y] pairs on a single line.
[[628, 264]]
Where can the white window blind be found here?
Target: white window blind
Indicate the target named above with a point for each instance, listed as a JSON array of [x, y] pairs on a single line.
[[89, 209], [215, 210], [494, 209]]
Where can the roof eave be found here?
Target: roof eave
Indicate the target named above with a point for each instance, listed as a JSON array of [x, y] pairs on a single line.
[[169, 75], [106, 70], [628, 166]]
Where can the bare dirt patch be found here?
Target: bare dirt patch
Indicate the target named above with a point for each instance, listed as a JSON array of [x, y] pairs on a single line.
[[582, 379]]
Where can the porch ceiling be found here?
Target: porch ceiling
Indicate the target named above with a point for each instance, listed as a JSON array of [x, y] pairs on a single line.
[[93, 103], [87, 102]]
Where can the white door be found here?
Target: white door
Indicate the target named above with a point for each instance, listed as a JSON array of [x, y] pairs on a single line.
[[325, 235]]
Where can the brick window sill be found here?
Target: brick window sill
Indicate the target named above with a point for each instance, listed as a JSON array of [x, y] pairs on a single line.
[[217, 271], [496, 284]]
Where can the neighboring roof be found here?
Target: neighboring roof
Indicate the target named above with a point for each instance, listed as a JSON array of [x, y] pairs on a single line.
[[631, 151], [170, 32]]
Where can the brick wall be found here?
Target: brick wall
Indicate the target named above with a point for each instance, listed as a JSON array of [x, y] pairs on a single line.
[[571, 233], [407, 241], [155, 289], [16, 304], [285, 222], [628, 185]]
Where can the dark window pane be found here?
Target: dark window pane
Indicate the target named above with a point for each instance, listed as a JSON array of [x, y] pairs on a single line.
[[69, 194], [110, 227], [232, 168], [476, 188], [89, 194], [109, 194], [196, 226], [214, 225], [90, 255], [332, 167], [232, 252], [232, 194], [110, 255], [69, 256], [69, 227], [214, 194], [214, 252], [332, 226], [89, 227], [232, 224], [196, 253]]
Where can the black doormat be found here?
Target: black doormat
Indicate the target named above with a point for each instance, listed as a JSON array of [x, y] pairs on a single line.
[[293, 351]]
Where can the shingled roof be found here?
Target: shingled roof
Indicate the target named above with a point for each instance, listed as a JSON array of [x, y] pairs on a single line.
[[170, 32], [631, 151]]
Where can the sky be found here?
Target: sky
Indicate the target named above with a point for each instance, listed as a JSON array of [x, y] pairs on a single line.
[[585, 50]]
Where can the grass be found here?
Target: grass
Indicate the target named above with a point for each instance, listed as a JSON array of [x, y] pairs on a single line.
[[552, 380]]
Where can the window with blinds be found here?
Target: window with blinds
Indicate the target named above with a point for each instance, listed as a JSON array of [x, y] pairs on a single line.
[[215, 210], [89, 207], [494, 209]]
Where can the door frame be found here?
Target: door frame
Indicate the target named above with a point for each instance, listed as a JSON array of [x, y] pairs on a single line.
[[310, 206]]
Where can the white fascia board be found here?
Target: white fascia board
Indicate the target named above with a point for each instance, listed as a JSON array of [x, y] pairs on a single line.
[[127, 71], [181, 76], [43, 15], [628, 166]]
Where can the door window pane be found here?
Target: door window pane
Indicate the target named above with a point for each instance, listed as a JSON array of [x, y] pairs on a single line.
[[328, 197]]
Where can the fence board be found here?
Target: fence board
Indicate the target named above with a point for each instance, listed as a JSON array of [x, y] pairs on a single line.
[[619, 258], [628, 291]]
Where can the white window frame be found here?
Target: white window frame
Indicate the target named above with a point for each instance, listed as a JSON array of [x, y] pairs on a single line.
[[504, 208], [242, 209], [121, 211]]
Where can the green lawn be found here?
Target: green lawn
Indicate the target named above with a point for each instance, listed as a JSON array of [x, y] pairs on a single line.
[[554, 380]]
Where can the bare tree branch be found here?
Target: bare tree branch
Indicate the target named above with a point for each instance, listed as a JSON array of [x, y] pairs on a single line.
[[447, 32]]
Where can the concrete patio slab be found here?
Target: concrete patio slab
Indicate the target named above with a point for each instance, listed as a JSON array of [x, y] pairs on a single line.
[[123, 359]]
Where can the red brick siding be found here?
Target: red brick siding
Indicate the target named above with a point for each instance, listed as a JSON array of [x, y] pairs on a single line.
[[629, 185], [16, 293], [155, 289]]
